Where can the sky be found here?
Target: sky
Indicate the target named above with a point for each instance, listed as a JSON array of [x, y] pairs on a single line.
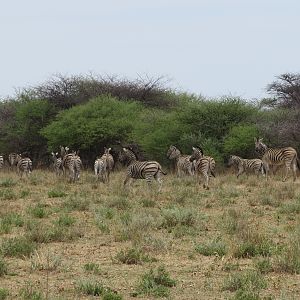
[[207, 47]]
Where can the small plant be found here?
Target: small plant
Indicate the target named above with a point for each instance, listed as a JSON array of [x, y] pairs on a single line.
[[264, 265], [148, 202], [155, 283], [18, 247], [120, 203], [76, 202], [111, 295], [38, 211], [88, 287], [56, 193], [92, 268], [7, 182], [40, 260], [7, 194], [24, 193], [245, 283], [65, 220], [29, 292], [214, 247], [178, 216], [3, 267], [3, 294], [132, 256]]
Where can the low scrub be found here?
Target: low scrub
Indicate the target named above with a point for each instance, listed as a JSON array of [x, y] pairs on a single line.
[[18, 247], [214, 247], [132, 256]]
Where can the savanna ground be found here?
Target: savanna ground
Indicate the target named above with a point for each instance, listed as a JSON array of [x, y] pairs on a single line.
[[238, 240]]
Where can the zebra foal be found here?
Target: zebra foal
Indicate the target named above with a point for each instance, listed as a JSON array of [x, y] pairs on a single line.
[[243, 165], [24, 165], [57, 163], [275, 157], [104, 165]]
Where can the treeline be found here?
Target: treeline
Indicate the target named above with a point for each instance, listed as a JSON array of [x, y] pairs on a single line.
[[88, 113]]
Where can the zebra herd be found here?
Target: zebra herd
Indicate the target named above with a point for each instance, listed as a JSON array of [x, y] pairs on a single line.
[[196, 163]]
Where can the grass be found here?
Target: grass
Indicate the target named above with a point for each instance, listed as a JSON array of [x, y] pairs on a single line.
[[3, 294], [17, 247], [155, 283], [56, 193], [108, 237]]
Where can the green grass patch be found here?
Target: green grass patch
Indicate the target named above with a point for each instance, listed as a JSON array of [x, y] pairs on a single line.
[[133, 256], [56, 193], [214, 247], [18, 247]]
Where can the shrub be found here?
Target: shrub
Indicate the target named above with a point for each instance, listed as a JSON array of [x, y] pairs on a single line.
[[92, 267], [132, 256], [3, 293], [3, 267], [18, 247], [155, 283], [215, 247]]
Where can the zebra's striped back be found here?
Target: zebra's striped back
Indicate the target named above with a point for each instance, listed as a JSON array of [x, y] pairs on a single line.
[[198, 154], [24, 165], [148, 170], [203, 167], [183, 163], [243, 165], [283, 156], [100, 167], [13, 159], [74, 166], [1, 161], [109, 159]]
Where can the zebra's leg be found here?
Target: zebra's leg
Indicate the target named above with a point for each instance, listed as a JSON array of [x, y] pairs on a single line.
[[287, 168], [206, 180], [295, 169], [240, 172], [159, 180], [126, 180]]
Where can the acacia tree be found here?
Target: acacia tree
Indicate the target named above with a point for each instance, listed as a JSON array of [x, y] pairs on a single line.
[[286, 91]]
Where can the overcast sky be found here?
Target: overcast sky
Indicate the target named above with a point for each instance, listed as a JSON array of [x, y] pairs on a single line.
[[208, 47]]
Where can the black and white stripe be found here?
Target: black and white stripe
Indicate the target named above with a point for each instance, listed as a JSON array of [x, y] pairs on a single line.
[[148, 170], [204, 165], [1, 161], [275, 157], [183, 163], [57, 163], [74, 167], [104, 165], [24, 165], [13, 159], [243, 165]]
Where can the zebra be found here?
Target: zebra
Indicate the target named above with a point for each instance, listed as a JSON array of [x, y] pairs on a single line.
[[275, 157], [24, 165], [57, 163], [183, 163], [204, 165], [142, 169], [243, 165], [1, 161], [198, 153], [104, 165], [13, 159], [74, 166]]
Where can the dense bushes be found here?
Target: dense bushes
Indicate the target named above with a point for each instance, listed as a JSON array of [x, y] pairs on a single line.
[[87, 113]]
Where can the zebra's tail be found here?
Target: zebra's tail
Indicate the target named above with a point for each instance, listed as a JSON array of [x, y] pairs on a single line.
[[160, 169]]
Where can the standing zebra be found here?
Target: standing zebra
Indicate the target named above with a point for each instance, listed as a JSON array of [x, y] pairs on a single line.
[[275, 157], [57, 163], [183, 163], [104, 165], [13, 159], [74, 167], [148, 170], [243, 165], [24, 165], [1, 161], [204, 165]]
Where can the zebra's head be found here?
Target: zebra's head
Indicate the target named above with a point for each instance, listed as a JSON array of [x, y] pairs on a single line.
[[106, 150], [232, 160], [197, 153], [260, 147], [173, 152]]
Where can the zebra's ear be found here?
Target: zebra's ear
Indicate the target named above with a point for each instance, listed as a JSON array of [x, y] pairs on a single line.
[[260, 140], [193, 148], [109, 149], [124, 149], [56, 153]]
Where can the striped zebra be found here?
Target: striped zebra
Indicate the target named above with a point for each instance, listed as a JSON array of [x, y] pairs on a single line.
[[183, 163], [275, 157], [57, 163], [13, 159], [243, 165], [204, 165], [24, 165], [74, 167], [148, 170], [198, 153], [104, 165], [1, 161]]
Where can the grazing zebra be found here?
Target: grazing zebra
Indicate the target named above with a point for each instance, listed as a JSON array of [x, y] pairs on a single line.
[[1, 161], [275, 157], [57, 163], [24, 165], [13, 159], [148, 170], [74, 167], [204, 165], [198, 153], [243, 165], [183, 163]]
